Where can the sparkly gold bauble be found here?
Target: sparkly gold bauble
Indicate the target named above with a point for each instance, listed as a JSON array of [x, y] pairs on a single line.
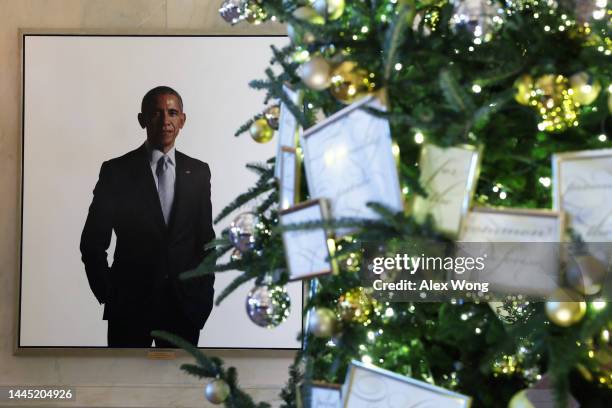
[[315, 73], [260, 131], [299, 35], [350, 82], [552, 100], [217, 391], [523, 86], [585, 274], [253, 12], [356, 305], [322, 322], [600, 350], [520, 400], [330, 9], [584, 90], [272, 114], [564, 312]]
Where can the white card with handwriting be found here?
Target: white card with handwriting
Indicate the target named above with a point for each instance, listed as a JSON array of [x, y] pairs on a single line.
[[449, 176], [583, 189], [368, 386], [349, 160], [520, 249]]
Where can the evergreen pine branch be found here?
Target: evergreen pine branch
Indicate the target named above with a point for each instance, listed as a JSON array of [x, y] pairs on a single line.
[[396, 34], [457, 99], [244, 198], [260, 169], [233, 285], [204, 362], [268, 202], [196, 371]]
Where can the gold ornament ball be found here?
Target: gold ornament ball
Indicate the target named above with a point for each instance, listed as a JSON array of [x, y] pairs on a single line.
[[552, 99], [585, 274], [356, 305], [322, 322], [315, 73], [350, 82], [520, 400], [260, 131], [600, 350], [299, 35], [253, 12], [332, 9], [523, 86], [272, 114], [217, 391], [565, 309], [584, 90]]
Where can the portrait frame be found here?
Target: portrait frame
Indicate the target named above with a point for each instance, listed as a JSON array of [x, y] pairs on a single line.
[[320, 387], [289, 181], [559, 196], [19, 346], [347, 154], [295, 241], [421, 207], [506, 222], [289, 130], [455, 400]]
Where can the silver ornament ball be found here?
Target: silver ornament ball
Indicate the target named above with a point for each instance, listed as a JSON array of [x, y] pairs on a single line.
[[217, 391], [242, 231], [322, 322], [478, 17], [268, 305], [315, 73]]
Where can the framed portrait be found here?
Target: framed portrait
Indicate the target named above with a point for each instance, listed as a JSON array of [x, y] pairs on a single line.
[[449, 175], [349, 160], [582, 188], [288, 128], [289, 180], [309, 252], [367, 386], [521, 249], [85, 123], [322, 395]]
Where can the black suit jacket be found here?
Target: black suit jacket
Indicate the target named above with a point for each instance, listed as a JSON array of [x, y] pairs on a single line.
[[148, 254]]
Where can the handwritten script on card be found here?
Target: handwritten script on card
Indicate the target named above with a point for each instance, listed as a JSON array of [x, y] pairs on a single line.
[[374, 387], [349, 161], [521, 249], [306, 250], [448, 175], [583, 189]]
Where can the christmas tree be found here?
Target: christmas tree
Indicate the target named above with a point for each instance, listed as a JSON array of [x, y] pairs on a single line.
[[510, 84]]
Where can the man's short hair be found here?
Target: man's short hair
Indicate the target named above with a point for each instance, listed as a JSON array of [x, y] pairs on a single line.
[[150, 96]]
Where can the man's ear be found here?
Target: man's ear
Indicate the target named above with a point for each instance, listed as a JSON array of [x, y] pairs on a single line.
[[183, 119], [141, 120]]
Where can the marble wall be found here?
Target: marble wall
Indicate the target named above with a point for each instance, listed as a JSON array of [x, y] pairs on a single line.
[[101, 378]]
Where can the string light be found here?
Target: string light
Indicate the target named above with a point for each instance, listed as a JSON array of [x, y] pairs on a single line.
[[419, 138], [545, 181], [602, 138], [476, 88]]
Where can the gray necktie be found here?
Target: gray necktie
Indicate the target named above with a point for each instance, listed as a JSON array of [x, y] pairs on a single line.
[[165, 187]]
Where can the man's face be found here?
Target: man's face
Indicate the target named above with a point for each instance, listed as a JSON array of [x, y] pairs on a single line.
[[163, 119]]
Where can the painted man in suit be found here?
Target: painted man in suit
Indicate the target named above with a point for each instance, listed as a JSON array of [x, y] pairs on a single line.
[[157, 201]]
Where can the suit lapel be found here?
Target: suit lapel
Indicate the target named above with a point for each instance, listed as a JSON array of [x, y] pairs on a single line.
[[146, 180]]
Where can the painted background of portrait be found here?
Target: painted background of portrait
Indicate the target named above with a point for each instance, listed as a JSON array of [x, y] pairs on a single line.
[[81, 100]]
